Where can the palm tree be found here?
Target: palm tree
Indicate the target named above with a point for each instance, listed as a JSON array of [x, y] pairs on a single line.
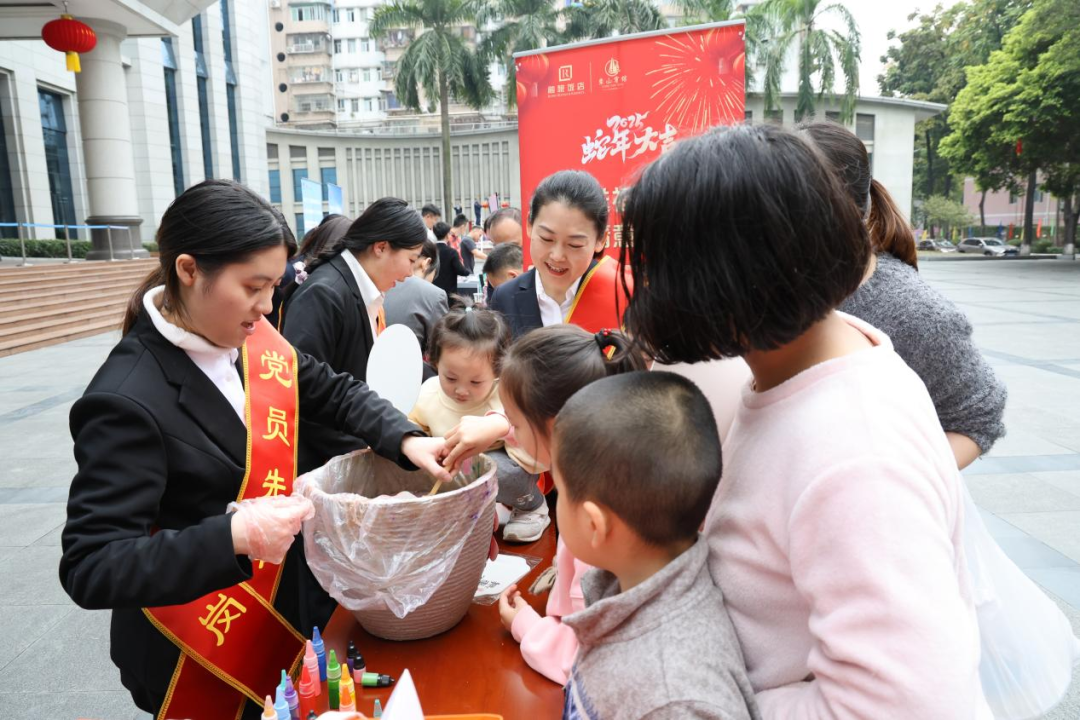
[[704, 11], [605, 18], [772, 28], [437, 62], [522, 25]]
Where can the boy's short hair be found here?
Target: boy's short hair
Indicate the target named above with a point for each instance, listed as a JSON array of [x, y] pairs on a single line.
[[440, 230], [645, 446], [507, 256], [430, 210], [460, 220]]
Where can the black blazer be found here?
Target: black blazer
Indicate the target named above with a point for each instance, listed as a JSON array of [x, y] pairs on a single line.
[[450, 267], [516, 300], [326, 318], [161, 453]]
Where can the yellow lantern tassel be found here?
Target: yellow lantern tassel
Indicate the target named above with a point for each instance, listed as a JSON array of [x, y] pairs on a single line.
[[73, 62]]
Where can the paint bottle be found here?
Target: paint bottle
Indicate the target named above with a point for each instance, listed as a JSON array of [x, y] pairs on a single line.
[[376, 680], [313, 715], [358, 669], [351, 652], [311, 662], [306, 692], [333, 677], [320, 653], [280, 706], [348, 694], [269, 713], [292, 699], [378, 709]]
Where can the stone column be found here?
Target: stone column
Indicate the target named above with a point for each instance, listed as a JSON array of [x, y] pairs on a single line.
[[106, 136]]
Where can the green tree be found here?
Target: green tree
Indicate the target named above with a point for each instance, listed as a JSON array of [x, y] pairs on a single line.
[[946, 213], [776, 26], [606, 18], [522, 25], [437, 63], [704, 11]]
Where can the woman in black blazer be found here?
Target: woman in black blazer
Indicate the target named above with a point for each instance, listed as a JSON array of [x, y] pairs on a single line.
[[331, 315], [160, 442], [450, 265]]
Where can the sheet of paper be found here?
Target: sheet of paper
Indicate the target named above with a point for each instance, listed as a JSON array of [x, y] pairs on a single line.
[[501, 573], [404, 703]]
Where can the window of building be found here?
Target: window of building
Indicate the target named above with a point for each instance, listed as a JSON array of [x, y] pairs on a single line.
[[774, 117], [328, 175], [168, 60], [365, 45], [748, 117], [201, 77], [356, 104], [230, 88], [351, 44], [337, 46], [308, 13], [300, 224], [352, 14], [354, 76], [341, 104], [864, 127], [275, 186], [832, 116], [7, 193], [327, 154], [54, 132], [308, 43], [1038, 195], [298, 174], [271, 151], [337, 16], [339, 75], [371, 104], [297, 152]]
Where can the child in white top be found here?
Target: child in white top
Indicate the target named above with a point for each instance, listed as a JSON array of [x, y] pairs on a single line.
[[466, 347]]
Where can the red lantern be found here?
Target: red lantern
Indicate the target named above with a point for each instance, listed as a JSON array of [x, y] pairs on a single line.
[[505, 203], [71, 37], [484, 204]]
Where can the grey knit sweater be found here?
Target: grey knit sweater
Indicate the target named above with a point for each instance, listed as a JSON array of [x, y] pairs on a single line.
[[663, 650], [934, 338]]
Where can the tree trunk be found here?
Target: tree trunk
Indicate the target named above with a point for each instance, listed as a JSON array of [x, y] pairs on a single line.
[[982, 211], [929, 165], [444, 112], [1072, 214], [1029, 214]]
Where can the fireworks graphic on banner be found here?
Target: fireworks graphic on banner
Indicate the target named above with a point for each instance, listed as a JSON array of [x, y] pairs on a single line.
[[700, 83]]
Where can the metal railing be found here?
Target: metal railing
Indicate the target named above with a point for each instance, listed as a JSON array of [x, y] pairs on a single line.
[[67, 238]]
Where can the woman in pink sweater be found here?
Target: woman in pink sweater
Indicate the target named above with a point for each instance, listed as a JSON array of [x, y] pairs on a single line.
[[835, 534], [540, 372]]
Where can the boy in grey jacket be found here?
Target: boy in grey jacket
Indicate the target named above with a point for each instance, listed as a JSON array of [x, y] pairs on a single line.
[[636, 461]]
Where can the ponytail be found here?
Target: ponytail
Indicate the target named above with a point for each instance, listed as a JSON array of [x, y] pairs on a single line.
[[482, 331], [889, 231], [134, 306], [547, 366]]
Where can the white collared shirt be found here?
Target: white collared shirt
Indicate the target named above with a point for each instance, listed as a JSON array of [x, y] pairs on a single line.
[[373, 299], [551, 312], [217, 363]]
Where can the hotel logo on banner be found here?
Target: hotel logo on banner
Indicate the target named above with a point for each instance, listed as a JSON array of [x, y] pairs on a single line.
[[566, 86], [614, 79]]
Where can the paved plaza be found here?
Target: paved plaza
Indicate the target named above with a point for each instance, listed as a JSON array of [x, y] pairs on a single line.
[[55, 657]]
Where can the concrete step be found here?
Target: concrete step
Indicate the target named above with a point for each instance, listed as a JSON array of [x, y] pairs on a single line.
[[112, 316], [49, 287], [87, 278], [21, 316], [75, 268], [53, 337]]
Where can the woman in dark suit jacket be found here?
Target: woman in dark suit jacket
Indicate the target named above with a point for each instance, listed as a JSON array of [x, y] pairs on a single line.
[[567, 223], [333, 315], [161, 445], [450, 265]]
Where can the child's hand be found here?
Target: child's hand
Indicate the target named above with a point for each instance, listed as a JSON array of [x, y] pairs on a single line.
[[471, 436], [510, 604]]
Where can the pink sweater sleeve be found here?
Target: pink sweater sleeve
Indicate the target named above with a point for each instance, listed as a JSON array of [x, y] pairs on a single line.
[[872, 551], [548, 646]]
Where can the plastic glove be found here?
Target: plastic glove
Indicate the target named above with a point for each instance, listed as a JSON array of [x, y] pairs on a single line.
[[264, 528]]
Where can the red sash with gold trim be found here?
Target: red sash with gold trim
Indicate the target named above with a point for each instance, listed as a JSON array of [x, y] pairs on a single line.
[[233, 644], [600, 300]]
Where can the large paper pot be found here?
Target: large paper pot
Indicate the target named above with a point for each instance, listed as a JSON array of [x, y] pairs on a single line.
[[407, 567]]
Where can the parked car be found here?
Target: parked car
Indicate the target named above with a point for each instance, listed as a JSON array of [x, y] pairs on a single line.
[[936, 246], [991, 247]]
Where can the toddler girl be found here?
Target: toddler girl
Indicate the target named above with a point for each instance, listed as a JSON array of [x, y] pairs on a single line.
[[466, 348], [539, 374]]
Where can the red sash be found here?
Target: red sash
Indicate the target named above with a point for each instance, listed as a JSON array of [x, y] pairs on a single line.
[[600, 300], [233, 643]]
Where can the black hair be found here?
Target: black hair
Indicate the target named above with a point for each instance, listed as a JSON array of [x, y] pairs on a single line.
[[846, 155], [430, 251], [496, 217], [430, 209], [440, 230], [326, 233], [386, 220], [773, 244], [548, 365], [482, 331], [575, 189], [218, 222], [508, 256], [461, 220], [645, 446]]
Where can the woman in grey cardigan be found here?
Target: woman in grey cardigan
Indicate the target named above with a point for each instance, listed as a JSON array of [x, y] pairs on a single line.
[[930, 333]]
